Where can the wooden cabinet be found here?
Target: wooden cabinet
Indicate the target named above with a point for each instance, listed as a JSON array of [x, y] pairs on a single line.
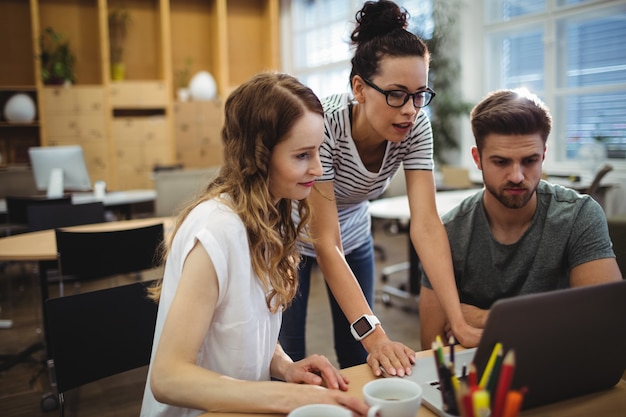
[[141, 143], [197, 128], [126, 127], [76, 116], [138, 94]]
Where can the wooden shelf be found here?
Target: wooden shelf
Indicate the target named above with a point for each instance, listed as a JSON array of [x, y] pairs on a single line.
[[231, 39]]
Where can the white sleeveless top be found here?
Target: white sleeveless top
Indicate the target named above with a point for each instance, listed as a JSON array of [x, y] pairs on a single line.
[[242, 337]]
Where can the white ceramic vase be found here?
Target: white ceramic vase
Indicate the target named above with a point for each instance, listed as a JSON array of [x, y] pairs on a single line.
[[202, 87], [20, 108]]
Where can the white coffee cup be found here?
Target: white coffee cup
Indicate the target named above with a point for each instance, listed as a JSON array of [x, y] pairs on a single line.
[[320, 410], [392, 397]]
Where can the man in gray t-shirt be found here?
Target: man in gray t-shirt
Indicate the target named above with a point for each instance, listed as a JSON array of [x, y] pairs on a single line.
[[520, 234]]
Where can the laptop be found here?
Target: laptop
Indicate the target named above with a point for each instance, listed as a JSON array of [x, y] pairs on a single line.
[[567, 343]]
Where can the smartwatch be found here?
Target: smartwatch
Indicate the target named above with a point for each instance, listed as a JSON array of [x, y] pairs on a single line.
[[363, 326]]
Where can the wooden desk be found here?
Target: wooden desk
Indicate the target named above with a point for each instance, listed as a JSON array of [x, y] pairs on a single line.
[[606, 403], [41, 246]]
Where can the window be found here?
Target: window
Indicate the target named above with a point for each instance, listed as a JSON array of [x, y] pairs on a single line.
[[317, 51], [571, 53]]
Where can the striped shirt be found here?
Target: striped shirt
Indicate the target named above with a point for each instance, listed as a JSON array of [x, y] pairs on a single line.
[[354, 185]]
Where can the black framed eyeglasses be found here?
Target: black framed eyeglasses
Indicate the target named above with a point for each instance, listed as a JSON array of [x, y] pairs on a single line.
[[398, 98]]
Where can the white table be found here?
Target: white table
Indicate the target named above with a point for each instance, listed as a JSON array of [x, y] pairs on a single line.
[[397, 208], [116, 198]]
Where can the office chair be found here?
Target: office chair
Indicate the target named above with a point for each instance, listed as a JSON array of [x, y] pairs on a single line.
[[98, 334], [50, 215], [594, 190], [42, 217], [176, 188], [90, 255]]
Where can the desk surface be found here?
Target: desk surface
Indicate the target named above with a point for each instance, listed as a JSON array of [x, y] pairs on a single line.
[[606, 403], [398, 207], [41, 246], [112, 198]]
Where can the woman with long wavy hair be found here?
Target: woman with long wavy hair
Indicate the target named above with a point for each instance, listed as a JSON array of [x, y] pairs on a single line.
[[230, 268]]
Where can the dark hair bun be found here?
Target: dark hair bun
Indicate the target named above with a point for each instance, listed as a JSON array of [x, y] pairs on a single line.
[[377, 18]]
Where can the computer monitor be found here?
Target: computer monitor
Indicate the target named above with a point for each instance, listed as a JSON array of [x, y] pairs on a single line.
[[59, 168]]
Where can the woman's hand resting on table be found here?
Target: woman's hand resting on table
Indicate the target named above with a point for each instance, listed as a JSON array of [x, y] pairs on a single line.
[[394, 357], [316, 381], [316, 370]]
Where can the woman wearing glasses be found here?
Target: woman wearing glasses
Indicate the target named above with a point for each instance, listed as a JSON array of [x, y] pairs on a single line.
[[368, 135]]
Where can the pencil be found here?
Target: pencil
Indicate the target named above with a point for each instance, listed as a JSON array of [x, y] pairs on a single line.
[[453, 378], [504, 383], [492, 382], [464, 401], [480, 401], [472, 378], [437, 360], [513, 403], [451, 344], [448, 394], [492, 359]]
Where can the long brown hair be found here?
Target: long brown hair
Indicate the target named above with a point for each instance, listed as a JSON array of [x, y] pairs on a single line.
[[258, 114]]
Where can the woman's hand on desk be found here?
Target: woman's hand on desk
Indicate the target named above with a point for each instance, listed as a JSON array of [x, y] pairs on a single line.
[[297, 395], [394, 357], [313, 380], [316, 370]]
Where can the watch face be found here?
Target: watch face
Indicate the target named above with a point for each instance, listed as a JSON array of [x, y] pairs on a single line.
[[362, 326]]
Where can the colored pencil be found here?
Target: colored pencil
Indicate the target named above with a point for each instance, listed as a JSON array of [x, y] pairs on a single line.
[[451, 343], [504, 383], [453, 377], [464, 400], [448, 394], [472, 377], [492, 382], [484, 379], [480, 401], [513, 403]]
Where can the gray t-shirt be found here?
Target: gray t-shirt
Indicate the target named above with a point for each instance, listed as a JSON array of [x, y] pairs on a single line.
[[568, 229]]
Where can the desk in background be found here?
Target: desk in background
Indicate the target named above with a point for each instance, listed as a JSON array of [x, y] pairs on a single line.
[[115, 200], [606, 403]]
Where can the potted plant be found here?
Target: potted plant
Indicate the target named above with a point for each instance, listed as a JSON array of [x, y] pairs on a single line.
[[119, 21], [57, 59], [182, 81], [447, 108]]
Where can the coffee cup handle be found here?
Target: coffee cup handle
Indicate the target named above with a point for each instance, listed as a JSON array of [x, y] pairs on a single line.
[[373, 411]]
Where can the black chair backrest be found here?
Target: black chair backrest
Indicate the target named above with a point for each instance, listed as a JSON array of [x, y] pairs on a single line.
[[42, 217], [17, 207], [595, 184], [98, 334], [99, 254]]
